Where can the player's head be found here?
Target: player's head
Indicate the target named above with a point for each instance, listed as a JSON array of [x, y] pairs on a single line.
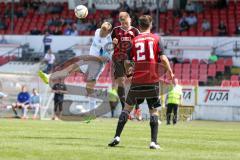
[[145, 23], [34, 91], [125, 19], [24, 88], [106, 28]]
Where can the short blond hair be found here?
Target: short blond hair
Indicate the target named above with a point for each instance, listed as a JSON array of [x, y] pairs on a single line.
[[106, 26]]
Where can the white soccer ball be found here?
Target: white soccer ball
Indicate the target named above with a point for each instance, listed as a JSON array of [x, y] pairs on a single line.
[[81, 11]]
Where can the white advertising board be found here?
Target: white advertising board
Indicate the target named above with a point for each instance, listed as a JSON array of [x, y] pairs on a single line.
[[188, 97], [218, 96]]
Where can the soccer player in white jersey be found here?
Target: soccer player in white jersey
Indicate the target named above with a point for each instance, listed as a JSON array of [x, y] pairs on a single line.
[[98, 56]]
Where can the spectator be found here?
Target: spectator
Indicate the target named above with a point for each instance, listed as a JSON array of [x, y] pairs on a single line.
[[81, 26], [191, 19], [47, 40], [20, 12], [212, 58], [55, 8], [190, 7], [42, 8], [74, 30], [49, 59], [3, 40], [47, 29], [108, 19], [55, 21], [34, 104], [2, 24], [222, 29], [183, 24], [174, 100], [221, 4], [57, 31], [206, 26], [93, 26], [68, 30], [93, 9], [35, 31], [123, 6], [7, 12], [164, 6], [237, 32], [36, 4], [59, 89], [23, 100]]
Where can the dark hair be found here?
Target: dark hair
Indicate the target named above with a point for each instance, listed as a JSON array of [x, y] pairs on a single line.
[[144, 22]]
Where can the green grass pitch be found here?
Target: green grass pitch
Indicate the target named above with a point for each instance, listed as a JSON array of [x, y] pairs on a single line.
[[58, 140]]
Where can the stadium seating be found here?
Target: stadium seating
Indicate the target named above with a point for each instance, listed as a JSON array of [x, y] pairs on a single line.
[[229, 15], [234, 78], [226, 83], [235, 83]]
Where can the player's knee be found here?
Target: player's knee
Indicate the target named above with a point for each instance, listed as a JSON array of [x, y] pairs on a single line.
[[124, 116], [153, 119]]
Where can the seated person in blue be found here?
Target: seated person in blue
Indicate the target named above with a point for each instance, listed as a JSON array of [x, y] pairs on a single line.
[[23, 100]]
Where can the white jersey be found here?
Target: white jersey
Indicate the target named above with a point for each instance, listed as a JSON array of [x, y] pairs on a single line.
[[99, 43]]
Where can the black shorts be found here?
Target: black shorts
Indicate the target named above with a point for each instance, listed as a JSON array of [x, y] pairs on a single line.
[[138, 93], [119, 69]]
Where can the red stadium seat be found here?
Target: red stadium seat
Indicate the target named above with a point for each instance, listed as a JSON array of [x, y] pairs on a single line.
[[195, 61], [186, 61], [220, 68], [194, 76], [195, 66], [228, 62], [220, 61], [194, 71], [234, 78], [177, 71], [178, 76], [211, 72], [203, 78], [235, 83], [185, 82], [186, 76], [203, 66], [225, 83]]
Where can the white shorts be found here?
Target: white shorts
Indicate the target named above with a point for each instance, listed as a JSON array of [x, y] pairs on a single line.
[[36, 105]]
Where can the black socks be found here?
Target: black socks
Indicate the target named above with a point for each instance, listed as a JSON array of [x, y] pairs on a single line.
[[121, 122], [154, 127]]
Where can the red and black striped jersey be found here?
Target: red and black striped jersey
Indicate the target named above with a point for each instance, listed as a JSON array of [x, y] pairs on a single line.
[[145, 53], [125, 38]]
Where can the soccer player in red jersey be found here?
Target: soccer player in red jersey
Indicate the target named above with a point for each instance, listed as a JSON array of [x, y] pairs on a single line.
[[147, 53], [122, 36]]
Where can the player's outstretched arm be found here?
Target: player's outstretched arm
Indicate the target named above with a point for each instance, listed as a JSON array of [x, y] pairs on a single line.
[[166, 63]]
